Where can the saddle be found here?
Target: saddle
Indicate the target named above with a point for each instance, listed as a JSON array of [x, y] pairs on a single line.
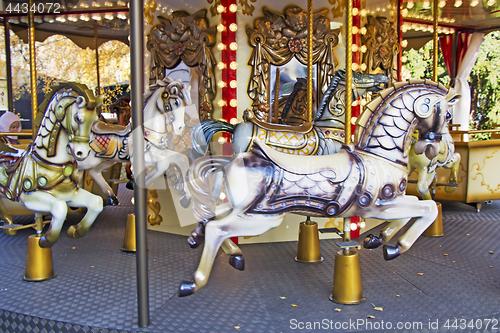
[[338, 165], [102, 128], [305, 128]]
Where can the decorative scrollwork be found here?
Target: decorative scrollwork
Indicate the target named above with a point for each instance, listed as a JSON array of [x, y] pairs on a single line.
[[279, 38], [155, 218], [188, 38]]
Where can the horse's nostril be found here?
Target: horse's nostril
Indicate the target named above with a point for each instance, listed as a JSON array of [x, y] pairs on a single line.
[[79, 154]]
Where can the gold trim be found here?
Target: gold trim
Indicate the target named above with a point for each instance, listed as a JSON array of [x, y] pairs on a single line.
[[155, 218]]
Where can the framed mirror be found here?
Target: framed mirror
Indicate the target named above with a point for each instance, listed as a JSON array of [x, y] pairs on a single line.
[[280, 47], [181, 44]]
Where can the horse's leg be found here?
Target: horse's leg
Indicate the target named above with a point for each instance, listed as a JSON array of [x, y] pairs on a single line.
[[96, 174], [372, 242], [216, 232], [406, 207], [44, 202], [425, 179], [236, 256], [83, 198], [454, 165]]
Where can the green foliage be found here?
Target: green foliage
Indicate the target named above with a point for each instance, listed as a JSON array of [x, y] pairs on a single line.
[[485, 88], [420, 66]]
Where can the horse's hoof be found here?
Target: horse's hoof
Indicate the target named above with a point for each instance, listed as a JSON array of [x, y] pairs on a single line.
[[185, 202], [73, 233], [130, 184], [112, 200], [237, 261], [186, 288], [195, 241], [44, 242], [372, 242], [391, 251]]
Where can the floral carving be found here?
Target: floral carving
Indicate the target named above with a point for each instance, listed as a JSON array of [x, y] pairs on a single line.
[[188, 38]]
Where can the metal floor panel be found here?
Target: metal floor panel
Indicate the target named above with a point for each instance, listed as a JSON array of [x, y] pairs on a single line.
[[95, 287]]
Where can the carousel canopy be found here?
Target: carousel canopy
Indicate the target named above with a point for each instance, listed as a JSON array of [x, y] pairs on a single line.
[[74, 19]]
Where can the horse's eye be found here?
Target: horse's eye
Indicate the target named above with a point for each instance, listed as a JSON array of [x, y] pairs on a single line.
[[177, 103], [448, 115], [78, 117]]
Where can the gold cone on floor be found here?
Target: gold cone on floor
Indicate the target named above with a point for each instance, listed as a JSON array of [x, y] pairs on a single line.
[[347, 279], [129, 242], [38, 261], [308, 250], [436, 228]]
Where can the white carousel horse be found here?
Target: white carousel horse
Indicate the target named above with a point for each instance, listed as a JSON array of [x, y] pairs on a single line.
[[426, 168], [44, 177], [322, 137], [165, 104], [368, 179]]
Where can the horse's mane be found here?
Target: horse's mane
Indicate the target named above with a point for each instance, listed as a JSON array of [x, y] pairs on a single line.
[[383, 98], [167, 81], [80, 89], [328, 95]]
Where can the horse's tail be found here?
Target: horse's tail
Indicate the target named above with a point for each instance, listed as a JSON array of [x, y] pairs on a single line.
[[199, 185], [203, 132]]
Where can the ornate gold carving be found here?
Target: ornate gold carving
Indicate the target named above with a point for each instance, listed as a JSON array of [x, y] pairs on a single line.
[[188, 38], [279, 38], [338, 8], [155, 218], [381, 41], [247, 9]]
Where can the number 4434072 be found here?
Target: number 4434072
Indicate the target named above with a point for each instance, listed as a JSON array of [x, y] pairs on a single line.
[[37, 8], [472, 324]]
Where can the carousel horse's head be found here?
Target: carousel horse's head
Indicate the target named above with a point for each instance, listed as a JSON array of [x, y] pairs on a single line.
[[434, 112], [173, 100], [77, 121]]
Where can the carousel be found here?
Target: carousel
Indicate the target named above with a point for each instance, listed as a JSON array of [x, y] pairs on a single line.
[[285, 177]]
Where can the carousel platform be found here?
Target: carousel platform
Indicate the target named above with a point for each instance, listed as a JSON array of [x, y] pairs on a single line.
[[442, 284]]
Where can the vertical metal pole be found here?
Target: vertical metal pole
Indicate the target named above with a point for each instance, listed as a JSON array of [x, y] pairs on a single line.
[[435, 41], [400, 36], [348, 97], [96, 45], [140, 197], [10, 99], [33, 75], [309, 59], [453, 74]]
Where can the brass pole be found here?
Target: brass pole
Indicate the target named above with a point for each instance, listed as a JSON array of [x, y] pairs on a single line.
[[309, 60], [96, 45], [33, 75], [276, 96], [10, 99], [435, 42]]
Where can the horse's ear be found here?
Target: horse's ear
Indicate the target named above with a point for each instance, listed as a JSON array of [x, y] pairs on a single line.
[[99, 100], [80, 102], [174, 90]]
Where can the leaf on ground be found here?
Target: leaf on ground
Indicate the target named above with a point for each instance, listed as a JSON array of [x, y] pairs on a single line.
[[453, 261], [73, 248], [398, 295], [491, 252], [282, 297], [371, 317], [445, 254], [338, 310], [420, 274], [491, 266], [467, 235], [237, 327], [378, 308], [294, 305]]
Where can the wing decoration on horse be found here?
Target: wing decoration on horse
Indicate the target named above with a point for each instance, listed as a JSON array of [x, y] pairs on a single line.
[[368, 179]]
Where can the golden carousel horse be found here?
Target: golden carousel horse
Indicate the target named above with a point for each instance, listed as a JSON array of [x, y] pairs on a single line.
[[44, 177], [367, 179], [164, 116]]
